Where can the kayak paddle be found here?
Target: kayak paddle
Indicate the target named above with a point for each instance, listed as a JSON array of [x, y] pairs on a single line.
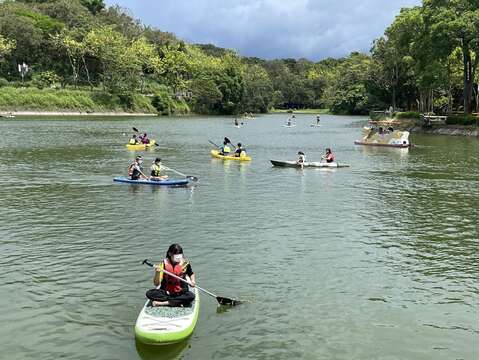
[[192, 178], [212, 143], [221, 300], [135, 129]]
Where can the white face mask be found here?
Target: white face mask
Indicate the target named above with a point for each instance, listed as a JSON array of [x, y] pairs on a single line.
[[177, 258]]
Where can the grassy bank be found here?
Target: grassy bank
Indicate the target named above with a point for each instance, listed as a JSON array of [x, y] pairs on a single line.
[[33, 99]]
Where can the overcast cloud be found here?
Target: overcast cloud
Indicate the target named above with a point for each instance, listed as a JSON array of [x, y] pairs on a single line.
[[314, 29]]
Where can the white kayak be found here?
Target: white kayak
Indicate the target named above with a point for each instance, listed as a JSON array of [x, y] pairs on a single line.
[[289, 126], [295, 164], [165, 325]]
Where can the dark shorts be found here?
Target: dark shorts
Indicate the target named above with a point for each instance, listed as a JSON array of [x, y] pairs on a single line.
[[184, 298]]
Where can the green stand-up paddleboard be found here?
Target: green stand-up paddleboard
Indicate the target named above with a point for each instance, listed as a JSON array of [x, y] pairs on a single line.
[[165, 325]]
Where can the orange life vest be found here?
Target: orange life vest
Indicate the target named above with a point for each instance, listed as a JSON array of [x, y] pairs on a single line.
[[173, 285]]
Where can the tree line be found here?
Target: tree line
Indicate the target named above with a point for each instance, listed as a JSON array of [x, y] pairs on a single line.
[[425, 61]]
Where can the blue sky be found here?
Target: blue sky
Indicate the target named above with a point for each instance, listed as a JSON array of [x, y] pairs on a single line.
[[314, 29]]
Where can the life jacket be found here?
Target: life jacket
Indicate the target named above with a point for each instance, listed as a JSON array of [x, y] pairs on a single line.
[[132, 142], [130, 169], [226, 149], [155, 170], [330, 158], [173, 285]]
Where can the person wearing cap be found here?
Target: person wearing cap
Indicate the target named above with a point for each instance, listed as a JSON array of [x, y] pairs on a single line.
[[135, 171], [156, 171]]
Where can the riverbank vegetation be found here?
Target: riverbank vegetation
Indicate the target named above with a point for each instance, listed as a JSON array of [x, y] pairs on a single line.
[[82, 55]]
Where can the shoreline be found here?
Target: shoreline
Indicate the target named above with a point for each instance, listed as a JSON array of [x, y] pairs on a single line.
[[5, 114], [412, 126]]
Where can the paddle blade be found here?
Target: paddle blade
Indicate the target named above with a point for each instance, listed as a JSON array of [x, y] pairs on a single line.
[[192, 178], [135, 129], [227, 301]]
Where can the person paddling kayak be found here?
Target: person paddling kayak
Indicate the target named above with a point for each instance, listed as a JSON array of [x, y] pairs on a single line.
[[171, 291], [133, 140], [301, 159], [156, 171], [144, 139], [240, 151], [135, 170], [329, 156], [225, 149]]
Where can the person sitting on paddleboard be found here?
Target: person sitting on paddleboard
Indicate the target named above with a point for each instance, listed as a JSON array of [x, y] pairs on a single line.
[[133, 140], [240, 151], [156, 171], [329, 157], [144, 139], [301, 158], [134, 170], [225, 149], [172, 291]]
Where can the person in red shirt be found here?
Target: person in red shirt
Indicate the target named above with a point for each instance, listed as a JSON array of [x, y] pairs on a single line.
[[329, 157]]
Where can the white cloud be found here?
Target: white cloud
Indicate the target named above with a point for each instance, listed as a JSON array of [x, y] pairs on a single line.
[[314, 29]]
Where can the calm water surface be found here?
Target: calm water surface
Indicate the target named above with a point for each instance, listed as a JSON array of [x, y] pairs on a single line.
[[379, 261]]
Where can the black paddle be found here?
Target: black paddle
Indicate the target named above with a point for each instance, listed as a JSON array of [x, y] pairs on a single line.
[[221, 300], [192, 178]]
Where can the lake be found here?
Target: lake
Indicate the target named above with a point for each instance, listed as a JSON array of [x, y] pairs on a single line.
[[376, 261]]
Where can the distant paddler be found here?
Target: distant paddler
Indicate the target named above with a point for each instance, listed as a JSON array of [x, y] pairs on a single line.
[[240, 151], [317, 120], [329, 156], [301, 159], [225, 149], [135, 170], [156, 171], [133, 140]]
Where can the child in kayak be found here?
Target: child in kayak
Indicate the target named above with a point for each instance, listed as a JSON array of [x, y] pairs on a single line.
[[172, 291], [133, 140], [156, 171], [301, 159], [240, 151], [135, 171], [329, 157]]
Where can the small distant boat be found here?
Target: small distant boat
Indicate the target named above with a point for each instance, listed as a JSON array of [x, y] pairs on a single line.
[[8, 116], [150, 145], [289, 126], [378, 137], [216, 154], [315, 125], [295, 164]]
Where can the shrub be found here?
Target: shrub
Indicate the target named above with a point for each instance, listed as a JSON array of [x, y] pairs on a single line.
[[45, 79], [3, 82], [407, 115], [462, 120], [162, 102]]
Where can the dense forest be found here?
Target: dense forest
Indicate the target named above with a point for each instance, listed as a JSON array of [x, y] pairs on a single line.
[[425, 61]]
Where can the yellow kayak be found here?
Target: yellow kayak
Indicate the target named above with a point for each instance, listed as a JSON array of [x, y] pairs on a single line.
[[141, 146], [216, 154]]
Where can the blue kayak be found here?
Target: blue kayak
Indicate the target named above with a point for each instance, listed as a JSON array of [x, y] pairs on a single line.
[[169, 182]]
